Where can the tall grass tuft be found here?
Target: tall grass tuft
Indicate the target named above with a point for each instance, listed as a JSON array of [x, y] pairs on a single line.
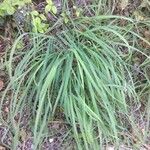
[[80, 70]]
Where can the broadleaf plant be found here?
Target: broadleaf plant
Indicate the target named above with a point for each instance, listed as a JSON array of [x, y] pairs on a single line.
[[38, 22], [8, 7], [50, 7]]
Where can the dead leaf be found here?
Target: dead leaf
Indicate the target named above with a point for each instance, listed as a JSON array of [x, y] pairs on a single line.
[[124, 147], [1, 85], [147, 34], [147, 147], [23, 135], [124, 4], [145, 3], [2, 148], [6, 109], [138, 16], [110, 147]]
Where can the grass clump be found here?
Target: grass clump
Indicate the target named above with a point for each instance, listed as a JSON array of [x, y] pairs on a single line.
[[82, 71]]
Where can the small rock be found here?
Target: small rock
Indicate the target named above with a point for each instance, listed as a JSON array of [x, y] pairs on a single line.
[[51, 140]]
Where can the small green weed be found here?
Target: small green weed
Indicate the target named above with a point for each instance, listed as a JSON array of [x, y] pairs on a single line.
[[50, 7], [8, 7], [38, 22]]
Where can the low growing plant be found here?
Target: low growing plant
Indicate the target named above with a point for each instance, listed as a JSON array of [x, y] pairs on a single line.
[[38, 22], [8, 7], [50, 7]]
